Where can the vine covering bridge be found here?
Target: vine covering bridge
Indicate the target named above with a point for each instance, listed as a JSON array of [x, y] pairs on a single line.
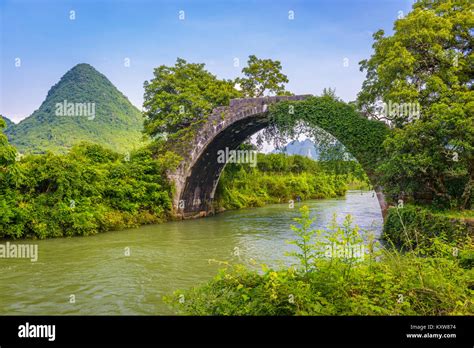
[[196, 177]]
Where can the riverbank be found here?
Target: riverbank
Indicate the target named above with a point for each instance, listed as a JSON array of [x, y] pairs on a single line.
[[278, 178], [92, 190]]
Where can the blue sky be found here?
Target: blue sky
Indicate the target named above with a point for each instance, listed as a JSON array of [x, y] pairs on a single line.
[[311, 47]]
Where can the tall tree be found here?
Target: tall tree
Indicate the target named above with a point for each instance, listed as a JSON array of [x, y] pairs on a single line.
[[426, 65], [181, 95], [262, 76]]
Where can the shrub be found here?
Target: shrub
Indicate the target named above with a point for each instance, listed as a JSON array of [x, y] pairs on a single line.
[[87, 191], [411, 226]]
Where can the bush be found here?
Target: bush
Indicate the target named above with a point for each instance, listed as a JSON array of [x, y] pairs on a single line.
[[87, 191], [410, 226]]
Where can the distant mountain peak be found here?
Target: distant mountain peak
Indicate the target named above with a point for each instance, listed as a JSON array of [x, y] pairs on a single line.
[[83, 66], [83, 70], [303, 148]]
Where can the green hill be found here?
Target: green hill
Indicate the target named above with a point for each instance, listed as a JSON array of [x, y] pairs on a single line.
[[83, 106]]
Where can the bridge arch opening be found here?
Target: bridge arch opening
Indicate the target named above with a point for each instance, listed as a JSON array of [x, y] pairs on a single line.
[[197, 176]]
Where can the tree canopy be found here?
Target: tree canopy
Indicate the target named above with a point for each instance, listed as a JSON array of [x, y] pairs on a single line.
[[262, 76], [426, 65], [181, 95]]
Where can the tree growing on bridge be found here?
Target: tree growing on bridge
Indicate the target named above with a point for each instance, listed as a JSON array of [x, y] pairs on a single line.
[[181, 95], [262, 76], [427, 63]]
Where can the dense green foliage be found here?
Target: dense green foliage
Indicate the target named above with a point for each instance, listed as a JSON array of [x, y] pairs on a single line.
[[182, 95], [262, 76], [8, 123], [89, 190], [7, 158], [423, 281], [409, 226], [279, 178], [117, 124], [180, 98], [427, 62]]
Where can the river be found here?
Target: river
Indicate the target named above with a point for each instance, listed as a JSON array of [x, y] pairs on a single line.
[[128, 272]]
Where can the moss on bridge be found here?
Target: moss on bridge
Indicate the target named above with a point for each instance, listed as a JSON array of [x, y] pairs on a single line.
[[362, 137]]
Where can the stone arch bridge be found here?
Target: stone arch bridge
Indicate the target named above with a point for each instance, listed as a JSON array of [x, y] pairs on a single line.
[[196, 177]]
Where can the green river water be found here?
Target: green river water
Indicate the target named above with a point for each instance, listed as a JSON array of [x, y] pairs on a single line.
[[162, 258]]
